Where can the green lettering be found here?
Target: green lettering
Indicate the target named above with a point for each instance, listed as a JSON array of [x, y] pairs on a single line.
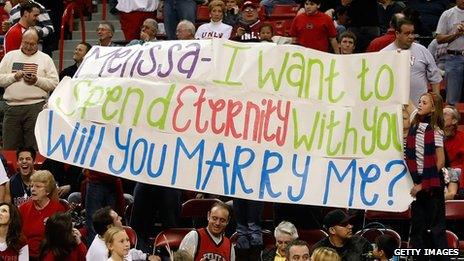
[[91, 101], [312, 62], [165, 102], [331, 127], [140, 97], [329, 80], [391, 80], [276, 83], [299, 68], [227, 81], [383, 146], [350, 130], [371, 128], [112, 95], [297, 141], [362, 77]]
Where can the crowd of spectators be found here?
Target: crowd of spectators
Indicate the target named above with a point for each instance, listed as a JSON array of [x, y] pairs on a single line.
[[28, 76]]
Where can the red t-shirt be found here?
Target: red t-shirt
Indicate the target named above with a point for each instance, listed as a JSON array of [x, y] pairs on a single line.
[[9, 254], [382, 41], [14, 37], [207, 248], [34, 223], [313, 31], [78, 254], [454, 148]]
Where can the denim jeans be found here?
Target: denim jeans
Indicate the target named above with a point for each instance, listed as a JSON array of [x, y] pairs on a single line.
[[248, 216], [269, 4], [454, 69], [98, 195], [175, 11]]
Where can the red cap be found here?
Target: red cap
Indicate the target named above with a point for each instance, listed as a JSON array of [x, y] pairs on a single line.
[[249, 4]]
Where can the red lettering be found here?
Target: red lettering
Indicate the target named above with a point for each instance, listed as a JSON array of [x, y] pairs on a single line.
[[180, 104]]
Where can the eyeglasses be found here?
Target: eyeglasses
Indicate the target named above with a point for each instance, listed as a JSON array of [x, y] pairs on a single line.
[[248, 10]]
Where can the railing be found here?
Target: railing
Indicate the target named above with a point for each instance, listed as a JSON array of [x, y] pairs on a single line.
[[68, 19], [104, 10]]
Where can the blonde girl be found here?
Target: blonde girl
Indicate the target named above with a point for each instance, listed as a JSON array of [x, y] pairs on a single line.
[[117, 242], [425, 158]]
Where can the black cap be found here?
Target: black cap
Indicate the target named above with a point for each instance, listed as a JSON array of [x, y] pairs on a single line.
[[317, 2], [336, 217]]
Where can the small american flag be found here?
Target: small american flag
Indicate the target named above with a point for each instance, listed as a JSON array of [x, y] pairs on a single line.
[[27, 68]]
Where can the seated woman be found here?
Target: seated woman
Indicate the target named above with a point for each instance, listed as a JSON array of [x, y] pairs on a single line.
[[13, 244], [44, 203], [62, 241], [454, 149], [284, 233], [216, 28]]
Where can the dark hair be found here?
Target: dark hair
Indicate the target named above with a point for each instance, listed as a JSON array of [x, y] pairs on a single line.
[[386, 243], [26, 149], [87, 45], [268, 25], [222, 205], [101, 219], [347, 34], [394, 19], [14, 238], [28, 6], [436, 120], [59, 238], [296, 242], [402, 22]]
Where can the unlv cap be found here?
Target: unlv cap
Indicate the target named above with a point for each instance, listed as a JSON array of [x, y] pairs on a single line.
[[249, 4]]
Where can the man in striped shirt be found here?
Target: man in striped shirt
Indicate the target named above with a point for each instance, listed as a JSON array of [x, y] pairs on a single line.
[[28, 75]]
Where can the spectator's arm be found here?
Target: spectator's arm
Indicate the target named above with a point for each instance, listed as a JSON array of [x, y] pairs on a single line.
[[7, 195], [435, 87], [448, 38], [45, 24], [440, 152], [49, 81], [334, 43], [452, 190], [6, 76]]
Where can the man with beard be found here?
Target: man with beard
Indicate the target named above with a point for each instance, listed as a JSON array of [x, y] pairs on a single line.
[[18, 188], [340, 230]]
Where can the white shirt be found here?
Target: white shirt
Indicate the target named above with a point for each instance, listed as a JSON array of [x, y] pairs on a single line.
[[23, 252], [213, 30], [128, 6], [98, 252], [3, 175], [190, 241]]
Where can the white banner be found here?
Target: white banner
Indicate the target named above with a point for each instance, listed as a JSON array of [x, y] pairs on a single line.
[[255, 121]]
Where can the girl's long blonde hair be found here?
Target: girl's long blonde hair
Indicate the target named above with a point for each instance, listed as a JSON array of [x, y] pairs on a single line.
[[436, 120]]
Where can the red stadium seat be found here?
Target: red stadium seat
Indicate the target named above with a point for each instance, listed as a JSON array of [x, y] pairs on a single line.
[[132, 236], [453, 240], [203, 14], [171, 237], [65, 204], [283, 12], [195, 208], [455, 210]]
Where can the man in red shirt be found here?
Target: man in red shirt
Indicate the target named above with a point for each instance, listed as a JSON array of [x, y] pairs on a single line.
[[210, 243], [29, 15], [382, 41], [314, 29]]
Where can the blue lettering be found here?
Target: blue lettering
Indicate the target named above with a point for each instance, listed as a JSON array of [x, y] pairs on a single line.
[[124, 148], [366, 179], [161, 164], [221, 154], [66, 149], [200, 148], [143, 155], [303, 176], [265, 172], [333, 168], [237, 169]]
